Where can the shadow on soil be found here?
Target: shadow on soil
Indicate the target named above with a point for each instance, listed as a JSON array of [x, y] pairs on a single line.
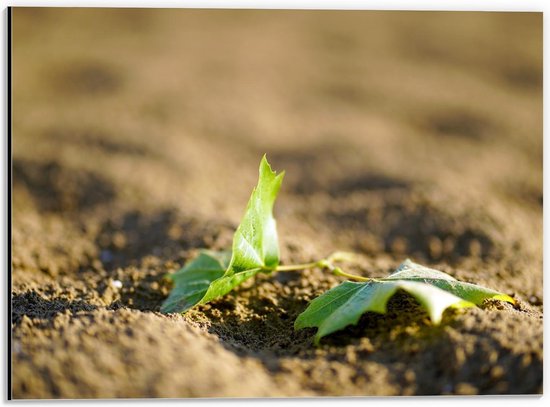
[[417, 351], [304, 177], [88, 78], [138, 249], [86, 138], [32, 305], [55, 188], [396, 224], [129, 239]]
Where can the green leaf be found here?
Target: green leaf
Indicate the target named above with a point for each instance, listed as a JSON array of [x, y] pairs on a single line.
[[255, 244], [410, 271], [255, 249], [434, 290], [192, 281]]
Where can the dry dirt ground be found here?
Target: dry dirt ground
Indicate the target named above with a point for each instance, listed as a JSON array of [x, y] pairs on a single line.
[[136, 141]]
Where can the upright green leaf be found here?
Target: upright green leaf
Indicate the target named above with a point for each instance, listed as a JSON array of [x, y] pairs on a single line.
[[255, 244], [434, 290], [255, 249]]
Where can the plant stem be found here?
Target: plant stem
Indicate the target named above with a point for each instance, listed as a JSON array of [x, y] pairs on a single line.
[[322, 264], [298, 267], [338, 272]]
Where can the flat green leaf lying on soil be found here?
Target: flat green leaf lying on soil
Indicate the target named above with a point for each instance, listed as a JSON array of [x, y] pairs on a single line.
[[255, 249], [434, 290], [410, 271], [193, 280]]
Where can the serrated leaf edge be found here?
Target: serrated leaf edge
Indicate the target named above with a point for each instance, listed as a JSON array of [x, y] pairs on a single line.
[[435, 312]]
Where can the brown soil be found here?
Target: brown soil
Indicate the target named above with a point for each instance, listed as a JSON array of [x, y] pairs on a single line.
[[136, 140]]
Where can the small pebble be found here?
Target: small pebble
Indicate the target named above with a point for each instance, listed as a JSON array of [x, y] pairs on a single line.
[[534, 300], [116, 284]]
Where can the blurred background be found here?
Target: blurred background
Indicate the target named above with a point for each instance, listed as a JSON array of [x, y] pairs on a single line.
[[161, 100], [137, 134]]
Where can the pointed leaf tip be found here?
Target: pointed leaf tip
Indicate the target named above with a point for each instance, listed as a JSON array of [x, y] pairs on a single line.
[[255, 242], [255, 249]]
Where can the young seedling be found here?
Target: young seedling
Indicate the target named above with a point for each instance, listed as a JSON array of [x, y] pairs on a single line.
[[256, 250]]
